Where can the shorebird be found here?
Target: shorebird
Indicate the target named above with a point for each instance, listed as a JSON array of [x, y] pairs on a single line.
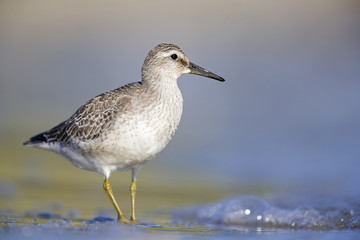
[[124, 128]]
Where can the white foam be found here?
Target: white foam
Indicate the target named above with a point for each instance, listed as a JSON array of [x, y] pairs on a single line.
[[255, 212]]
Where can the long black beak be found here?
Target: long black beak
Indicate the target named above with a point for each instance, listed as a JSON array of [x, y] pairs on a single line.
[[195, 69]]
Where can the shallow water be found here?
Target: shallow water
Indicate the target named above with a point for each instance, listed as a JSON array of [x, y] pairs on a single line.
[[48, 198], [199, 212], [249, 211], [50, 226]]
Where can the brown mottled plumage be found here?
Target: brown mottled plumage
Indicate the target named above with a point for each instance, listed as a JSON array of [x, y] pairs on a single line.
[[91, 120]]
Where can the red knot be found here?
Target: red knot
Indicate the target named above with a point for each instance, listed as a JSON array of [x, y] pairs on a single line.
[[124, 128]]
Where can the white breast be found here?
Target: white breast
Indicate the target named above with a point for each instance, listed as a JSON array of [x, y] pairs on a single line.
[[137, 136]]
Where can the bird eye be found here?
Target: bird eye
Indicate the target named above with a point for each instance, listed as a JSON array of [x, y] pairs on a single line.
[[174, 56]]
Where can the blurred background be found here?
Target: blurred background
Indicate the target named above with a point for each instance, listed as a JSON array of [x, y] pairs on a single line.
[[286, 119]]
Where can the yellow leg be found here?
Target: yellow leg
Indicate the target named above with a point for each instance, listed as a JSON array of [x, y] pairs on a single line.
[[109, 192], [133, 193]]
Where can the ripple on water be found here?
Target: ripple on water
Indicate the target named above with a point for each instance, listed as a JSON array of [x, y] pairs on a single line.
[[255, 212]]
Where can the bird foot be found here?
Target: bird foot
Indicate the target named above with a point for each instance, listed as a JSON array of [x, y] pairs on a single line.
[[123, 219], [134, 221]]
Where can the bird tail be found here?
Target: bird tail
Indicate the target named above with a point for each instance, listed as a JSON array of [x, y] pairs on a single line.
[[40, 138], [46, 137]]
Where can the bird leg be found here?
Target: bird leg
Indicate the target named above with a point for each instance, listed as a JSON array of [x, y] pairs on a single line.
[[134, 174], [133, 193], [109, 192]]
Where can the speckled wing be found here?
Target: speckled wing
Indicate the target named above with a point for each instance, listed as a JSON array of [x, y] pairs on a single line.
[[90, 121]]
